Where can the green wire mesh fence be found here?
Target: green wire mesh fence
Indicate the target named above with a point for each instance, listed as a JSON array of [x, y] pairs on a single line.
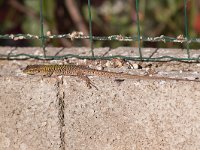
[[184, 39]]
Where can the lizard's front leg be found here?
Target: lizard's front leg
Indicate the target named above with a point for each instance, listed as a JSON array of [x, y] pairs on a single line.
[[48, 74]]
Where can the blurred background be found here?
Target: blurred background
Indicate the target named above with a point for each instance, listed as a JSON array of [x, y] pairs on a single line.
[[109, 17]]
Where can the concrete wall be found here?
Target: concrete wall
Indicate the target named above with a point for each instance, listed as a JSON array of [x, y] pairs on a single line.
[[62, 113]]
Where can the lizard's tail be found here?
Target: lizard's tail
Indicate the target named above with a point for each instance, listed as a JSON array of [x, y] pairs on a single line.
[[108, 74], [102, 73]]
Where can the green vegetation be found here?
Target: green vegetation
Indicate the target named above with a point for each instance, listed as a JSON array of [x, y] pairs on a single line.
[[113, 17]]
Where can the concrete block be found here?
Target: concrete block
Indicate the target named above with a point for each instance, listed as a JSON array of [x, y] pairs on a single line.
[[133, 115], [28, 114]]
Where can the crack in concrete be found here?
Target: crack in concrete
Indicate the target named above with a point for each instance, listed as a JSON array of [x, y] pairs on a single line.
[[61, 111]]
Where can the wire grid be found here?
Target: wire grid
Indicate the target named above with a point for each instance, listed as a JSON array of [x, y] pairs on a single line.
[[138, 38]]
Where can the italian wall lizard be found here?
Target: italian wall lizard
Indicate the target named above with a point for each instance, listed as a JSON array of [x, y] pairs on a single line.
[[83, 73]]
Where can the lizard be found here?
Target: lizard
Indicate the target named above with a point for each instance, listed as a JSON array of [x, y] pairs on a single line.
[[83, 72]]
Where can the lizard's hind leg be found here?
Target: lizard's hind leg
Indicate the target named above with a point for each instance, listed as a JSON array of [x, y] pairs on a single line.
[[88, 81]]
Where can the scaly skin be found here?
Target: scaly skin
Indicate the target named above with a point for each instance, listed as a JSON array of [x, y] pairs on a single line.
[[82, 72]]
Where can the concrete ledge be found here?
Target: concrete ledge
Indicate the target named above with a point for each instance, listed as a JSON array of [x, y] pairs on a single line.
[[62, 113], [130, 115]]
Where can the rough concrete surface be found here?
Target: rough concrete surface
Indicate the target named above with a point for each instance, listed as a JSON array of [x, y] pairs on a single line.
[[28, 114], [62, 113]]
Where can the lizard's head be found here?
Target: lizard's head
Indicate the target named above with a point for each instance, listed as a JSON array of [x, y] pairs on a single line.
[[33, 69]]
